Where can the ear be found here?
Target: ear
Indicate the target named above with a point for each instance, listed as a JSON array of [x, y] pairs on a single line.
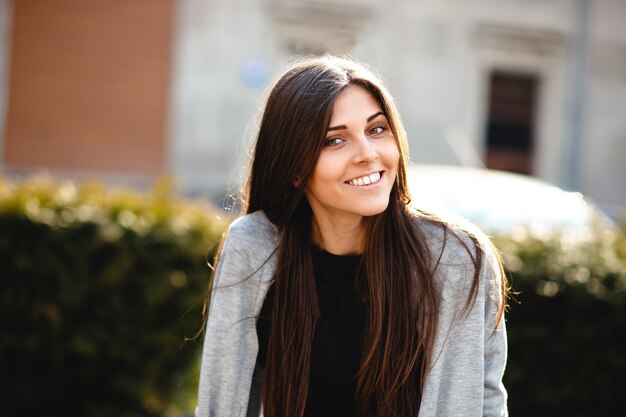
[[296, 182]]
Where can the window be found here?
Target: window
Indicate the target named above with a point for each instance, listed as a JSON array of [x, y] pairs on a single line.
[[511, 122]]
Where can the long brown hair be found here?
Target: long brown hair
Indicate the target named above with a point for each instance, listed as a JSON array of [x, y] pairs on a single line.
[[402, 303]]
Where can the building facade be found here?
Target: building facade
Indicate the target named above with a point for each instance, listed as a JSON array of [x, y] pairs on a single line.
[[532, 86]]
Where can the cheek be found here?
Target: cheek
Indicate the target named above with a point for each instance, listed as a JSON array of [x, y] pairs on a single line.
[[327, 169], [319, 177], [391, 155]]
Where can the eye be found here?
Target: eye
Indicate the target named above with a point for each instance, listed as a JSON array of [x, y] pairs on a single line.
[[377, 129], [334, 141]]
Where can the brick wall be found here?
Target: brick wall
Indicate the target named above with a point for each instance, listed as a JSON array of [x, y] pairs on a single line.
[[89, 85]]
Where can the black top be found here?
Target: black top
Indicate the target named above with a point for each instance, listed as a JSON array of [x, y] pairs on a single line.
[[336, 348]]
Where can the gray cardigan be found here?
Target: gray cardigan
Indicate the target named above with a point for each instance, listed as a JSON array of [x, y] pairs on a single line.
[[465, 378]]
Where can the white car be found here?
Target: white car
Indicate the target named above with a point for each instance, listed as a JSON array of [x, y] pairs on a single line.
[[501, 202]]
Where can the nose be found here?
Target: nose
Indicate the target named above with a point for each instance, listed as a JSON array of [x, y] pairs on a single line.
[[366, 151]]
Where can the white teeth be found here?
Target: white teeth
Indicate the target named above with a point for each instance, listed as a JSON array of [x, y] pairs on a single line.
[[366, 180]]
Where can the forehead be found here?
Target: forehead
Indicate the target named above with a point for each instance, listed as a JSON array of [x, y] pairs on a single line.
[[354, 101]]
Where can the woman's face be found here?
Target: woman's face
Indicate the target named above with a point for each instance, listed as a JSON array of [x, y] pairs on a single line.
[[357, 167]]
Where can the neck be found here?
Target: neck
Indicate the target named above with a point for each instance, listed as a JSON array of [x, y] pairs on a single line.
[[339, 237]]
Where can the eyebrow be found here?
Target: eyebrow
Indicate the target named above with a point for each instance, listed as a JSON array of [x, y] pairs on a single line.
[[369, 119]]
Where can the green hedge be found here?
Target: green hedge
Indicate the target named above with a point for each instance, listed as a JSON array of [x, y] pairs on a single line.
[[100, 291], [567, 324]]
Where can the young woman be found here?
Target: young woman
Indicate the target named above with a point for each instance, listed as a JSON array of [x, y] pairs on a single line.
[[332, 296]]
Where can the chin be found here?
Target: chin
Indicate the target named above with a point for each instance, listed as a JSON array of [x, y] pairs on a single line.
[[373, 210]]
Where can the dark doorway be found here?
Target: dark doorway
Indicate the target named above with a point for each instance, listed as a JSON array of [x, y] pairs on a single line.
[[511, 122]]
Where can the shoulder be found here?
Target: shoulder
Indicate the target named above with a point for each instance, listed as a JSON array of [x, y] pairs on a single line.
[[449, 240], [249, 242], [460, 246], [253, 229]]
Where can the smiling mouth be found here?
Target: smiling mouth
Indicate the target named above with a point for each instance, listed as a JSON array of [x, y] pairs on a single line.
[[366, 179]]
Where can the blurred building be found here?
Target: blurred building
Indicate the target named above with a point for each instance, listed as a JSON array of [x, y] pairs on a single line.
[[86, 86], [141, 88]]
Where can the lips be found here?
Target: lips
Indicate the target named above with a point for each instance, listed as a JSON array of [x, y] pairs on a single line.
[[369, 179]]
